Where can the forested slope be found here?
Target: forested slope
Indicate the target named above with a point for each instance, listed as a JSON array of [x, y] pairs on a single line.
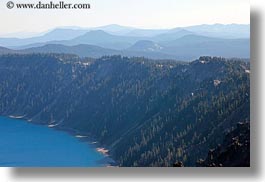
[[147, 112]]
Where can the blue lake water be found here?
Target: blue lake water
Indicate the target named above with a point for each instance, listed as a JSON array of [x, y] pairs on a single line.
[[26, 144]]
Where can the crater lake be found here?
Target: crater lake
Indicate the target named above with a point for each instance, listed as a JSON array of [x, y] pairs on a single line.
[[24, 144]]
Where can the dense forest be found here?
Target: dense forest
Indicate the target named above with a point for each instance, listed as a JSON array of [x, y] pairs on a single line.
[[147, 112], [233, 152]]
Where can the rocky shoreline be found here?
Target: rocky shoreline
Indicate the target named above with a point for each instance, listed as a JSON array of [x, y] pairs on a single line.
[[84, 137]]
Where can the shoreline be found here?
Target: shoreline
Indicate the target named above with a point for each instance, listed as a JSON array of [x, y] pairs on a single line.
[[108, 161], [86, 137], [103, 151]]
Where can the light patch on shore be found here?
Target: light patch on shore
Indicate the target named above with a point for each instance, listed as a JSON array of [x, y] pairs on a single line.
[[52, 125], [16, 117], [80, 136], [103, 151]]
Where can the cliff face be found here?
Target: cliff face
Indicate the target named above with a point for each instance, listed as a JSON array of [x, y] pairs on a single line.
[[234, 152], [148, 113]]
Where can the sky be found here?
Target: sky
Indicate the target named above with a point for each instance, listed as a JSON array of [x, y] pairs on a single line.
[[156, 14]]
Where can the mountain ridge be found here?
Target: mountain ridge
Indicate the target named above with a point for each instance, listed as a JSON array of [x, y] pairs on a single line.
[[66, 33], [148, 112]]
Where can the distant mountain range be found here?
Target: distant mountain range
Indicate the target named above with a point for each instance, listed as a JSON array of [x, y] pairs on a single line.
[[184, 43]]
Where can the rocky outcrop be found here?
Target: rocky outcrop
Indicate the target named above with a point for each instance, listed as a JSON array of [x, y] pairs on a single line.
[[234, 152]]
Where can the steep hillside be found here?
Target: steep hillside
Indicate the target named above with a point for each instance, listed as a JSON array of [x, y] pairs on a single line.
[[148, 113], [234, 151]]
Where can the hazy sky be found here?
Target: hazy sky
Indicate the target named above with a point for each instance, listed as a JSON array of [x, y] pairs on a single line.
[[136, 13]]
